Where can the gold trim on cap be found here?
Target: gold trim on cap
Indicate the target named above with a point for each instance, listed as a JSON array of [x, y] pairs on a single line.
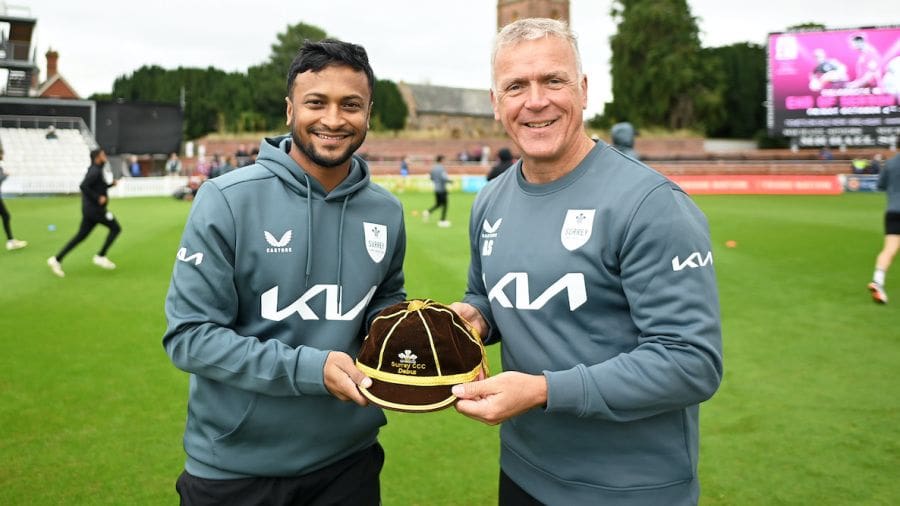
[[408, 407], [419, 381]]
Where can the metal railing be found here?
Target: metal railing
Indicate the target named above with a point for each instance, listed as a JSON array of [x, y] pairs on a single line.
[[17, 51], [58, 122]]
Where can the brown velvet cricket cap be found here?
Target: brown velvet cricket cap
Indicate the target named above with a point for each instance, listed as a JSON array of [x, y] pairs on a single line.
[[415, 352]]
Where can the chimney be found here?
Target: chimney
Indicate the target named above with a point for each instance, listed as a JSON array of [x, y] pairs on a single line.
[[52, 58]]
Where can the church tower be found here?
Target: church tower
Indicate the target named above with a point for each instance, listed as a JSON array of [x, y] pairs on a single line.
[[511, 10]]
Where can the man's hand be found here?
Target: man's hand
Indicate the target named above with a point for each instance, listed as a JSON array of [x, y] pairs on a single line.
[[342, 377], [471, 315], [102, 200], [501, 397]]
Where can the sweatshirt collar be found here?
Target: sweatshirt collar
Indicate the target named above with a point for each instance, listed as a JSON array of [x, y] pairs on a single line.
[[274, 156]]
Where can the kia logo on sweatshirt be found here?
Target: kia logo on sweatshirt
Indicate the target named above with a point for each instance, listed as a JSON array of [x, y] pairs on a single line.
[[334, 309], [572, 284], [693, 261]]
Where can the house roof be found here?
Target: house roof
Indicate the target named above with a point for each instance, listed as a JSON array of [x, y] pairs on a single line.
[[46, 85], [446, 100]]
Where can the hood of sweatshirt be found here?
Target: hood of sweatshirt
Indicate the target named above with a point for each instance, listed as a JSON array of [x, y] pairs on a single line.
[[622, 135], [273, 155]]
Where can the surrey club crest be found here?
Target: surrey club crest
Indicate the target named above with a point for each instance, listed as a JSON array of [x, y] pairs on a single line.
[[376, 240], [576, 229]]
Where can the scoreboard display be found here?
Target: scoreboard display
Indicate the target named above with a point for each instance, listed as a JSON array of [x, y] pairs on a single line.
[[835, 87]]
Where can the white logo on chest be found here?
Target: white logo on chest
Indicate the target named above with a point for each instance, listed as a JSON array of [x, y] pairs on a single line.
[[571, 283], [577, 227], [376, 237], [489, 232], [278, 245], [269, 304]]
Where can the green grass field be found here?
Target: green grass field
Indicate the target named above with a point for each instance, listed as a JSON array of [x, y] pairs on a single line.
[[92, 411]]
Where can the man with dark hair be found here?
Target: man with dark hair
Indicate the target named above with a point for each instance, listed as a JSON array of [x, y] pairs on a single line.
[[282, 266], [94, 200], [504, 161], [868, 63]]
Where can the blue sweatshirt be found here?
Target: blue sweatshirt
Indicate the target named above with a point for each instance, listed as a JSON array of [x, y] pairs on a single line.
[[603, 282], [271, 274]]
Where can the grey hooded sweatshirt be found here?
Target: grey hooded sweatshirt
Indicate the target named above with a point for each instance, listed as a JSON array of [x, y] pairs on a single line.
[[271, 274]]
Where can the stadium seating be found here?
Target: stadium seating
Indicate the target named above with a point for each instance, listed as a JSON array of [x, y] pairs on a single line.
[[41, 165]]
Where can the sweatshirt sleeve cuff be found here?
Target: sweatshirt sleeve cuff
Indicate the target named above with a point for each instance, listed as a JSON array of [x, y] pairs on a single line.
[[483, 307], [566, 391], [311, 371]]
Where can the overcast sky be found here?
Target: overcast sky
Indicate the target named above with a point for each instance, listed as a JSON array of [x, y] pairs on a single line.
[[417, 41]]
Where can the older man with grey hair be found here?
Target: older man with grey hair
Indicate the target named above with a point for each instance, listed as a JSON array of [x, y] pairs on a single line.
[[596, 273]]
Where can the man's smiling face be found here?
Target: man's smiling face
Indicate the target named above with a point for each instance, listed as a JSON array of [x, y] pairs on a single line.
[[328, 113]]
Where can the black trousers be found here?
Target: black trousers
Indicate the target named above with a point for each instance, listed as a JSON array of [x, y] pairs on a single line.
[[352, 481], [89, 220], [440, 200], [5, 215], [512, 494]]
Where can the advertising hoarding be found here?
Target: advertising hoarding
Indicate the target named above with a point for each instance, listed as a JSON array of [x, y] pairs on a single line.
[[835, 87]]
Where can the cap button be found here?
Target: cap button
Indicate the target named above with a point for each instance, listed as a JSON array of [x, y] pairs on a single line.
[[415, 305]]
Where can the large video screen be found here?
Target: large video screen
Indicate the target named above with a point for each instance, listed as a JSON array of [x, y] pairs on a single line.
[[835, 87]]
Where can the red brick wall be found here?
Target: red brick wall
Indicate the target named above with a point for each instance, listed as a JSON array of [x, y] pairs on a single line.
[[669, 156]]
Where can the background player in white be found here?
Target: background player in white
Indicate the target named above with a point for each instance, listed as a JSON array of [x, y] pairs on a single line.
[[596, 273]]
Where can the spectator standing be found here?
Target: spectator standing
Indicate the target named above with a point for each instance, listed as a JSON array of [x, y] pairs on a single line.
[[875, 164], [173, 164], [504, 161], [241, 156], [134, 167], [226, 167], [623, 135]]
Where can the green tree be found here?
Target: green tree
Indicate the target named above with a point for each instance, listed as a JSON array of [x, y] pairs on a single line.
[[269, 79], [808, 26], [214, 99], [389, 110], [743, 68], [659, 77]]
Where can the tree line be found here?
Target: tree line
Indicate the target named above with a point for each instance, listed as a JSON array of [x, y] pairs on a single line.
[[661, 78], [217, 101]]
